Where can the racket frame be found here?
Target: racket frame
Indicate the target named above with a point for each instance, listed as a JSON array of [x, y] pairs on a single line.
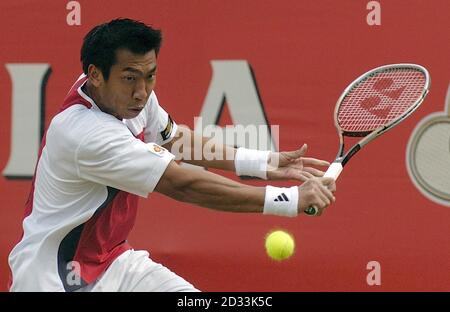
[[341, 159], [371, 135]]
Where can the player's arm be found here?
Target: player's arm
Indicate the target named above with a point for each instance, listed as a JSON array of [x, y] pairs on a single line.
[[209, 190], [112, 156], [202, 151]]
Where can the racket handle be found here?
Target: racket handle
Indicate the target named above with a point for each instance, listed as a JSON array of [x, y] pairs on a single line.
[[333, 171]]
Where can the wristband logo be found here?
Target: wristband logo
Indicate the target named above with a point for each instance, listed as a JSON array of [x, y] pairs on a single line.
[[281, 198]]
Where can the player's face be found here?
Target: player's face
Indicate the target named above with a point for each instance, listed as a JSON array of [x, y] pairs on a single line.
[[130, 83]]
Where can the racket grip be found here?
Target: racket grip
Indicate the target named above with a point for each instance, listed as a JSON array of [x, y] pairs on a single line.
[[333, 171]]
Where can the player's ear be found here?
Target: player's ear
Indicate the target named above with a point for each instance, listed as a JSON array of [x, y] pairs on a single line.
[[95, 75]]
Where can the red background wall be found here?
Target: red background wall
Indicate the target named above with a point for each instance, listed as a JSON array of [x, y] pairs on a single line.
[[303, 54]]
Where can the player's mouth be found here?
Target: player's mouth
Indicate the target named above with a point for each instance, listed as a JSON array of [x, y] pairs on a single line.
[[137, 109]]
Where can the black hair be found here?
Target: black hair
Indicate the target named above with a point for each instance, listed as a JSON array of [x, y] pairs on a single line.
[[102, 42]]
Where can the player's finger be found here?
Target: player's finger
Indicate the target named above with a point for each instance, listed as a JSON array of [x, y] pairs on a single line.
[[307, 175], [320, 198], [304, 176], [294, 174], [295, 164], [288, 173], [330, 183], [327, 180], [327, 193], [314, 161], [297, 154], [315, 172], [320, 205], [299, 165], [325, 201], [297, 176]]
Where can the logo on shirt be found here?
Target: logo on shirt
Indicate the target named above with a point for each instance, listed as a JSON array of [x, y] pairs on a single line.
[[156, 149], [168, 130]]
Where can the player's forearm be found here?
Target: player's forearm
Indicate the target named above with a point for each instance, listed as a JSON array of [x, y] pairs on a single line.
[[215, 194], [214, 155], [201, 151], [209, 190]]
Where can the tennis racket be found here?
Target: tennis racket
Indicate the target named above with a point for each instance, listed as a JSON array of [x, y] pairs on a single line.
[[374, 103]]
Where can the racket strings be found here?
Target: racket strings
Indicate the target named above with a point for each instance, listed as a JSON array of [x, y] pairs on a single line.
[[380, 98]]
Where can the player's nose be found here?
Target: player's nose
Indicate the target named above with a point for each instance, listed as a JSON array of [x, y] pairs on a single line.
[[140, 92]]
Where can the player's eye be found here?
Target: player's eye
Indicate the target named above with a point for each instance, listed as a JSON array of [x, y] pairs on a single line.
[[129, 78], [151, 77]]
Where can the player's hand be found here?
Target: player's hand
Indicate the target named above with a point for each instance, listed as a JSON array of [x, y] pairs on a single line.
[[316, 192], [293, 166]]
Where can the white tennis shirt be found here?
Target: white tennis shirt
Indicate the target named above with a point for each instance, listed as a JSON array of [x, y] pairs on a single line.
[[83, 200]]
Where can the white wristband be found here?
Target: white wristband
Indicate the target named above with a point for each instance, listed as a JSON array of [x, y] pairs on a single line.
[[250, 162], [281, 201]]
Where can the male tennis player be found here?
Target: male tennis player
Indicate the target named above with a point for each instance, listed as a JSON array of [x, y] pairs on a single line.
[[108, 145]]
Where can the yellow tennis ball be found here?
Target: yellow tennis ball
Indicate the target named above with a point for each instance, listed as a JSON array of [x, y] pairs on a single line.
[[280, 245]]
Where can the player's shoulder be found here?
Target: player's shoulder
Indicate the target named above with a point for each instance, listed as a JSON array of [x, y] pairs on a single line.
[[78, 122]]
